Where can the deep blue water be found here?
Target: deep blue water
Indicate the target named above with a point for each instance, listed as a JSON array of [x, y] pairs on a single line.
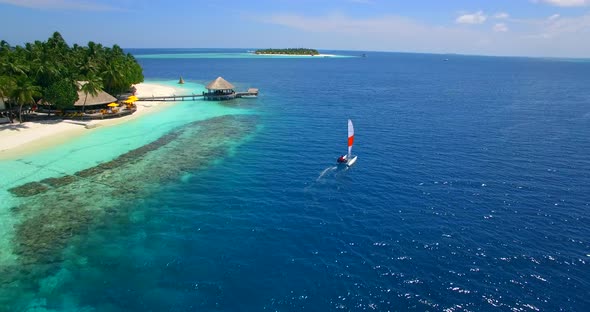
[[471, 192]]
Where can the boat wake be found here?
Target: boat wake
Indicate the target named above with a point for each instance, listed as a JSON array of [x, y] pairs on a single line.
[[332, 178], [325, 172]]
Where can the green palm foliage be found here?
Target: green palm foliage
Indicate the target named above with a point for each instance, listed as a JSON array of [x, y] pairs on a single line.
[[24, 92], [62, 94], [91, 86], [13, 68], [113, 77], [46, 63], [7, 85]]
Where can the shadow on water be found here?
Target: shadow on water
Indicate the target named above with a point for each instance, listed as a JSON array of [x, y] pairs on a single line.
[[56, 210]]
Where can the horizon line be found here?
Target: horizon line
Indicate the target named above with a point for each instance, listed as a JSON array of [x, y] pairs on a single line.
[[398, 52]]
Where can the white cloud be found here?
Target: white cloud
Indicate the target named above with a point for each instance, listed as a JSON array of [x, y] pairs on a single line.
[[565, 3], [526, 37], [501, 15], [388, 32], [557, 26], [60, 4], [500, 27], [474, 18]]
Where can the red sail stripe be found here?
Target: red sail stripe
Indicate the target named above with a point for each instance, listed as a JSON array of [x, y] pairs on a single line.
[[350, 140]]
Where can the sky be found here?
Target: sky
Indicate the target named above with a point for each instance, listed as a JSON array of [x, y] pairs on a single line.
[[545, 28]]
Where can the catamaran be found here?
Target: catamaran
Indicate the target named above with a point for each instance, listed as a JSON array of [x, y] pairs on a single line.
[[349, 159]]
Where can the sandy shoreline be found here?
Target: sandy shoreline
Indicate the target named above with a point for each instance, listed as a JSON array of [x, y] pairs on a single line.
[[18, 140]]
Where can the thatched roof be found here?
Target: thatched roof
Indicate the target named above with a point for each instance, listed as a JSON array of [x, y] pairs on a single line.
[[219, 84], [101, 98]]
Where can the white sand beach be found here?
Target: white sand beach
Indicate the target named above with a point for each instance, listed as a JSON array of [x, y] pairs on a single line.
[[17, 140]]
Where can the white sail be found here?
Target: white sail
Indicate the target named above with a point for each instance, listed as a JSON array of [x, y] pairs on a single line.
[[350, 137]]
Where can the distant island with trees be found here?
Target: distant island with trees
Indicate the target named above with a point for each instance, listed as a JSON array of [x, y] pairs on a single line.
[[50, 71], [292, 51]]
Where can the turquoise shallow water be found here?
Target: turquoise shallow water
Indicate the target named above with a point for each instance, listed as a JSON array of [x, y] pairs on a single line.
[[101, 145], [470, 193], [106, 143]]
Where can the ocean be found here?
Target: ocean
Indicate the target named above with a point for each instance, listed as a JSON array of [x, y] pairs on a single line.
[[470, 193]]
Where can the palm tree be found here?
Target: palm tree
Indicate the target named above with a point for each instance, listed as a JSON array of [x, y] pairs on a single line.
[[113, 77], [44, 71], [9, 67], [23, 93], [87, 66], [57, 43], [92, 86], [4, 45], [7, 85], [45, 63]]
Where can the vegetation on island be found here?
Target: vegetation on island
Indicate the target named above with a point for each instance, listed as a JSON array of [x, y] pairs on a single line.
[[49, 70], [292, 51]]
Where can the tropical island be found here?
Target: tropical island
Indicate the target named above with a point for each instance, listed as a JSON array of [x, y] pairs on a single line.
[[57, 76], [291, 51]]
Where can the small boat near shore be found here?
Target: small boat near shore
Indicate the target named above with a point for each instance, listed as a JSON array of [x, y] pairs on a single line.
[[348, 159]]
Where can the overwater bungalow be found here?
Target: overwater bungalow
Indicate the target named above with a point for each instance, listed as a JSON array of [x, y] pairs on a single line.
[[219, 90]]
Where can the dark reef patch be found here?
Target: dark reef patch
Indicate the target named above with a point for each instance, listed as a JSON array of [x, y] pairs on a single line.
[[56, 209]]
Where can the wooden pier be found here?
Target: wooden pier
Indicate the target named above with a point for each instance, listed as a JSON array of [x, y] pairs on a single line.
[[170, 98], [217, 90], [252, 92]]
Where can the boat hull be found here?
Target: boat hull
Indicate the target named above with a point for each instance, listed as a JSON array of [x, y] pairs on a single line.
[[351, 161], [348, 162]]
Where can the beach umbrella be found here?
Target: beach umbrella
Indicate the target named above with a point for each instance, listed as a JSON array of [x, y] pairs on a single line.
[[113, 105], [133, 98]]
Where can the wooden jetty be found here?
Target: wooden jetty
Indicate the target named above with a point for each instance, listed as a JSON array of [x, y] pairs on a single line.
[[169, 98], [217, 90], [193, 97]]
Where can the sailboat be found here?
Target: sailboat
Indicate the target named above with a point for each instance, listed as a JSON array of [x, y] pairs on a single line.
[[348, 159]]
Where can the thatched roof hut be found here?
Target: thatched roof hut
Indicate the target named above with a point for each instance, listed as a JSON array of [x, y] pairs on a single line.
[[219, 84], [99, 99]]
